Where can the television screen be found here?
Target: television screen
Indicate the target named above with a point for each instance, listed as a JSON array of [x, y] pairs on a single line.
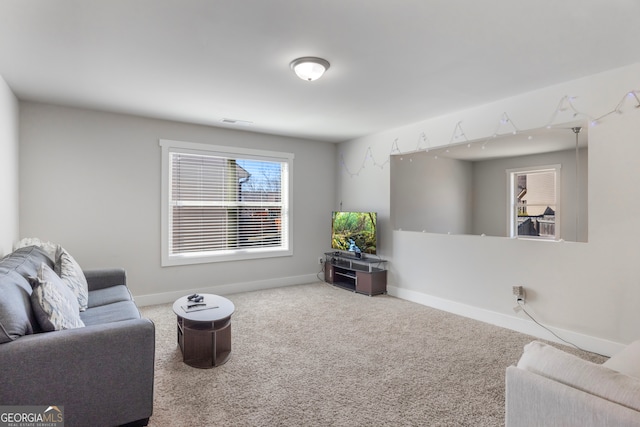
[[354, 232]]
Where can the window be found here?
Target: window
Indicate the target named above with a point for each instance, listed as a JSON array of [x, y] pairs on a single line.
[[224, 203], [533, 202]]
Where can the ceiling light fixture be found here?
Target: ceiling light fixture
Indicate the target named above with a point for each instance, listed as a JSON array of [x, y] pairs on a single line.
[[309, 68]]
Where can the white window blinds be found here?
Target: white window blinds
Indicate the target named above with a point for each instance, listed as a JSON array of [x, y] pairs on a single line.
[[223, 204]]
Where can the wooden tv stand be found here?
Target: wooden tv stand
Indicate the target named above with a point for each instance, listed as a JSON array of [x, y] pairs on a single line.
[[362, 275]]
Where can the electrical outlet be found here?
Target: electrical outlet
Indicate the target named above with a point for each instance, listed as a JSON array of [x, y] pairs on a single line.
[[320, 259], [518, 291]]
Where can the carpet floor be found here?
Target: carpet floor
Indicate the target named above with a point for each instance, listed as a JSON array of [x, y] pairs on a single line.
[[316, 355]]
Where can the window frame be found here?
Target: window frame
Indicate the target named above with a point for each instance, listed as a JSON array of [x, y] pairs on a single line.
[[512, 223], [286, 246]]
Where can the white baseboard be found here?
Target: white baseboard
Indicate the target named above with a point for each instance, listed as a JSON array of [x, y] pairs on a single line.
[[525, 326], [226, 289]]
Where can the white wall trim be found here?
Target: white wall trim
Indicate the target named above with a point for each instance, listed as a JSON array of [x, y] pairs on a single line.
[[226, 289], [525, 326]]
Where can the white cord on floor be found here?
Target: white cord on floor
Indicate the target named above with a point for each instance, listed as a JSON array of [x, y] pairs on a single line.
[[521, 304]]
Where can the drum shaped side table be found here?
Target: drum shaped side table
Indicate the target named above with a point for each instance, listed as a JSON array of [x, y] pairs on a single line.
[[204, 336]]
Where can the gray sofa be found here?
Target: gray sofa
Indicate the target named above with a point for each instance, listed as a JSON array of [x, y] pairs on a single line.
[[549, 387], [101, 373]]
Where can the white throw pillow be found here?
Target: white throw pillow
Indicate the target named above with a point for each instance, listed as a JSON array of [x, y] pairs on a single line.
[[54, 305], [48, 247], [71, 273], [626, 361]]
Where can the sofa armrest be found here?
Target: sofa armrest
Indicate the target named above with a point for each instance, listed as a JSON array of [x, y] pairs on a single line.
[[532, 400], [105, 277], [102, 374]]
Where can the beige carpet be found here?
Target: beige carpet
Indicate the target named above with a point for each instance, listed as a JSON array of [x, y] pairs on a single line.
[[316, 355]]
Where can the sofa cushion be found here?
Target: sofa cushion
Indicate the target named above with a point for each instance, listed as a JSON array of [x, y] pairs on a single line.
[[627, 360], [26, 261], [109, 295], [16, 316], [118, 311], [54, 305], [565, 368], [70, 272]]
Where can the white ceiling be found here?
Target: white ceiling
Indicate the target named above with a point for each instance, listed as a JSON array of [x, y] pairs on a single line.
[[393, 62]]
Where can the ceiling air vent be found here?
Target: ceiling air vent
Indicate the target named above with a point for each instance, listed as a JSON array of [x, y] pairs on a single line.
[[236, 122]]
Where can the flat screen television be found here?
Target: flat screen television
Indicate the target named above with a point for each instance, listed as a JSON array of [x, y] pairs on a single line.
[[354, 232]]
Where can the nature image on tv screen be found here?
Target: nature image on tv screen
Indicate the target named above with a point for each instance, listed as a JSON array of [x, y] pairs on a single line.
[[354, 232]]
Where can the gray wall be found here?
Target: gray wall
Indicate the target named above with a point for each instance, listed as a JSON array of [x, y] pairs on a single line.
[[90, 181], [431, 194], [9, 218], [586, 292]]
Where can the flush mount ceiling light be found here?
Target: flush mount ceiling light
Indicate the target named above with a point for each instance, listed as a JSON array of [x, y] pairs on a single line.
[[309, 68]]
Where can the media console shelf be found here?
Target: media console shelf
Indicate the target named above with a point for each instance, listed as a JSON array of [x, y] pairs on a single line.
[[363, 275]]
